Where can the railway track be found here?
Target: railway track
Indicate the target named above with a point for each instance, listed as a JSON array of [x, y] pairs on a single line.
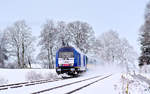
[[17, 85], [85, 82], [70, 92], [75, 82]]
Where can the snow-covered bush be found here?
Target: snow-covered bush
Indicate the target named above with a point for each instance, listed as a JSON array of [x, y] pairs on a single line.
[[11, 65], [3, 81], [32, 76], [145, 69], [51, 76], [129, 85]]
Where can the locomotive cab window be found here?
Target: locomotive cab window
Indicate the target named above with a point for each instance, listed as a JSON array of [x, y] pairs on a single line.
[[66, 55]]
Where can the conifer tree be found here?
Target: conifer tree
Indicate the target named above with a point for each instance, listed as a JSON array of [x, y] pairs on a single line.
[[144, 59]]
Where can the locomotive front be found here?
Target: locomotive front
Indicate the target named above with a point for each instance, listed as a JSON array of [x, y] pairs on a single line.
[[65, 60]]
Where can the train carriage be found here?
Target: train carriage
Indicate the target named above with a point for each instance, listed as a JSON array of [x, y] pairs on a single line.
[[70, 61]]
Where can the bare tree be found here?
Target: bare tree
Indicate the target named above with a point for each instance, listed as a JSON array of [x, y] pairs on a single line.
[[20, 41], [48, 38]]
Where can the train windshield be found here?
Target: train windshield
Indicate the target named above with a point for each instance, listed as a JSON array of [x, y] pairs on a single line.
[[66, 55]]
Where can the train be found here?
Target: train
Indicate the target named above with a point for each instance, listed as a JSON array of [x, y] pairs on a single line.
[[70, 61]]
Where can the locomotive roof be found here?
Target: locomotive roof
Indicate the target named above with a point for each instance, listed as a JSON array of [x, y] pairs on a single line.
[[67, 48], [70, 48]]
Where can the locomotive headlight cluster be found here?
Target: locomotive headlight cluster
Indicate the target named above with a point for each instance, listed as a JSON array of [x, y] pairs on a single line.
[[72, 69], [58, 69], [71, 64]]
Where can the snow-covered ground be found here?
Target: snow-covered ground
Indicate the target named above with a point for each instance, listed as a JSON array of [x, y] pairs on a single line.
[[8, 76], [120, 82], [105, 86]]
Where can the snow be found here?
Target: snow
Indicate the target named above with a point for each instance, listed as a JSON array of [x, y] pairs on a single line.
[[147, 75], [105, 86], [19, 75], [30, 89], [66, 89], [115, 84]]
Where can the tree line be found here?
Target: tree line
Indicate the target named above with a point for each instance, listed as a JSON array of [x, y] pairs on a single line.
[[17, 44]]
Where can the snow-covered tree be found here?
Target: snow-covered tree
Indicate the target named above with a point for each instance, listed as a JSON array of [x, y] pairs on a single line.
[[144, 34], [48, 38], [20, 41], [29, 51], [126, 54], [3, 50], [64, 36], [82, 35], [111, 49], [107, 45], [56, 35]]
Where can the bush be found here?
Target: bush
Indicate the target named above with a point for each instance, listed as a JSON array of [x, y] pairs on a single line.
[[3, 81], [33, 76], [51, 76], [11, 65]]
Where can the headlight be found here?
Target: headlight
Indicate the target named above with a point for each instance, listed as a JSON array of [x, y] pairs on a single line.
[[58, 69], [72, 69]]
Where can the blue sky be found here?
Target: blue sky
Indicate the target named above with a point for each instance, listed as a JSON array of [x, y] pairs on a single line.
[[124, 16]]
